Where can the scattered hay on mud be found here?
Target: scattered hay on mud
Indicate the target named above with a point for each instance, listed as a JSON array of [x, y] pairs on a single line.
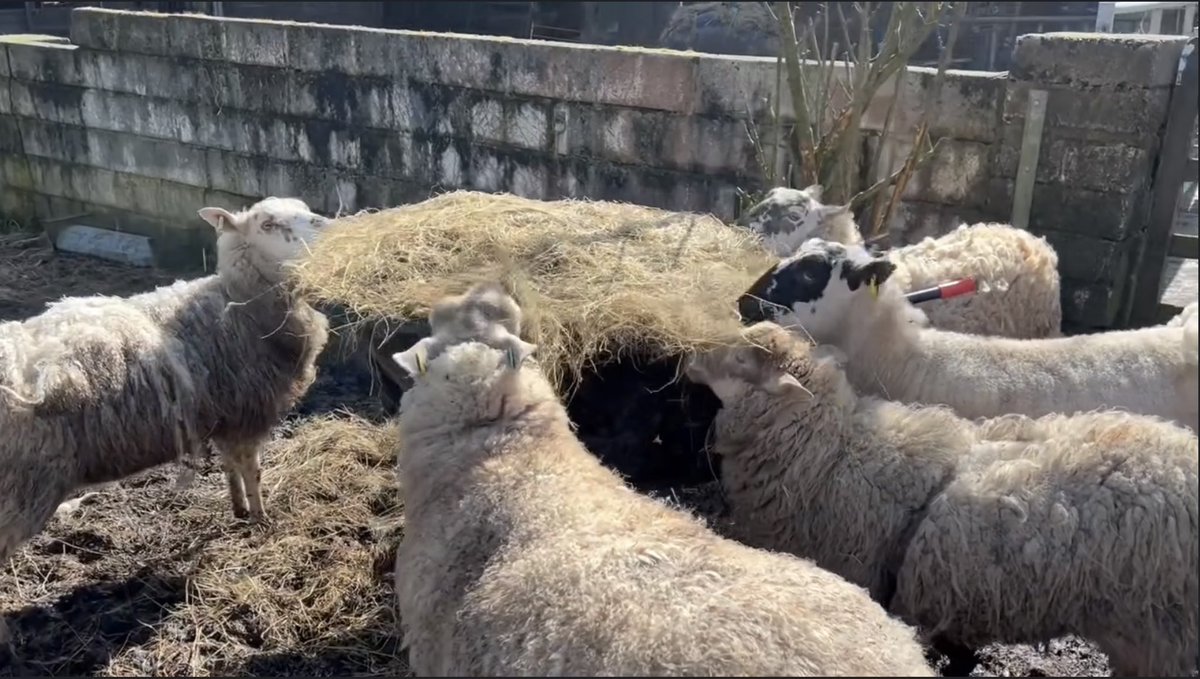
[[594, 279], [141, 581]]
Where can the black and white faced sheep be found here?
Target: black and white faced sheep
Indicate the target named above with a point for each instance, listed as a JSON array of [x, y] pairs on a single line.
[[1011, 530], [844, 296], [98, 388], [1016, 273], [524, 556]]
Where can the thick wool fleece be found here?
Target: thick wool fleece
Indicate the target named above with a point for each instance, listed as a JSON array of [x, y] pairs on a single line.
[[524, 556], [1012, 530]]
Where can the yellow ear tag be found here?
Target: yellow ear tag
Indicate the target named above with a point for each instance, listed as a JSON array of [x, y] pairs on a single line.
[[873, 286], [511, 354], [421, 365]]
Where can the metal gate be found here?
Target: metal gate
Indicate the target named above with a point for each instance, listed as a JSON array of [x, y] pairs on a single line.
[[1167, 277]]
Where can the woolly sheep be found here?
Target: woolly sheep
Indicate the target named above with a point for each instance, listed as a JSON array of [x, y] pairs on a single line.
[[1016, 273], [97, 388], [824, 291], [1012, 530], [524, 556]]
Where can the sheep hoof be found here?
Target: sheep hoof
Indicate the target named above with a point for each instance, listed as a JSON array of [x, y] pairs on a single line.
[[241, 513], [261, 520]]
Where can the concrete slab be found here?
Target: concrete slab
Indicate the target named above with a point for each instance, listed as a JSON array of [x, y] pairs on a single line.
[[115, 246]]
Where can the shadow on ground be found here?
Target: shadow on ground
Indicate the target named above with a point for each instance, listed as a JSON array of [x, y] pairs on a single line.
[[80, 632]]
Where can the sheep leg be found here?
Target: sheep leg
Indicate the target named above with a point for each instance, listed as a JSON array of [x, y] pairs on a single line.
[[245, 462], [237, 494], [960, 660]]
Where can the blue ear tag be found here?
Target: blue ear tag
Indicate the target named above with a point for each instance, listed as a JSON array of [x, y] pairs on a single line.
[[511, 354]]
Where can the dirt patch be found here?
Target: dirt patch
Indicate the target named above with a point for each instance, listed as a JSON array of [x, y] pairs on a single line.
[[145, 580]]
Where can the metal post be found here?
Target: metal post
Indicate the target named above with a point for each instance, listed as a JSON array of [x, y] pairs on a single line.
[[1031, 146]]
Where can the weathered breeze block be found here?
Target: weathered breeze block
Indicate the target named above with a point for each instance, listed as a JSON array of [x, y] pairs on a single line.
[[228, 110], [1107, 101]]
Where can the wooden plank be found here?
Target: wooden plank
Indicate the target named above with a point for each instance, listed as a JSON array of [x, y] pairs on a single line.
[[1187, 247], [1147, 280], [1031, 146]]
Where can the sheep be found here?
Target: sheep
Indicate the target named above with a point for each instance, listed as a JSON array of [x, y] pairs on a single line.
[[1012, 530], [1016, 272], [524, 556], [843, 296], [98, 388]]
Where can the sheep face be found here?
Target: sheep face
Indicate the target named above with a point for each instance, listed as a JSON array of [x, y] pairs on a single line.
[[768, 358], [466, 380], [817, 288], [279, 230], [476, 313], [787, 217]]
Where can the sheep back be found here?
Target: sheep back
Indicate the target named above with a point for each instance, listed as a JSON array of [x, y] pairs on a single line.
[[524, 556], [117, 385], [1084, 525], [1016, 274]]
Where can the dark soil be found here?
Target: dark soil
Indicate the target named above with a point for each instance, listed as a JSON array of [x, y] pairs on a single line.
[[94, 595]]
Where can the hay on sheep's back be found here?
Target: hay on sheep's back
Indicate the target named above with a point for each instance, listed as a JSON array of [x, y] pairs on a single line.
[[595, 279]]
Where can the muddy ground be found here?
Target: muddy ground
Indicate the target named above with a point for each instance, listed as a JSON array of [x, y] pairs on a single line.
[[108, 589]]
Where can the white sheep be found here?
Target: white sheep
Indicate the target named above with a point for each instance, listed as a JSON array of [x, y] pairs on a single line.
[[825, 292], [95, 389], [524, 556], [1011, 530], [1016, 273]]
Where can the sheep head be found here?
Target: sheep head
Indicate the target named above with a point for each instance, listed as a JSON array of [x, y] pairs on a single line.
[[476, 313], [770, 360], [277, 230], [787, 217], [819, 288], [473, 378], [485, 315], [420, 360]]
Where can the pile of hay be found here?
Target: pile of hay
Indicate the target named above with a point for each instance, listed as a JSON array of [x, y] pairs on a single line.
[[141, 581], [595, 279]]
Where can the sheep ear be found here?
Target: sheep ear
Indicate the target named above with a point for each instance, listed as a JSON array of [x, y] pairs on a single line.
[[880, 270], [220, 218], [415, 359], [516, 351], [814, 191], [831, 211], [784, 383], [827, 354]]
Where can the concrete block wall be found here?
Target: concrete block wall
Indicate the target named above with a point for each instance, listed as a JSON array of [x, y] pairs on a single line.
[[1106, 106], [144, 118]]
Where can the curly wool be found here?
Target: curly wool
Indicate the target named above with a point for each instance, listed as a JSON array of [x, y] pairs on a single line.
[[1012, 530], [1016, 274]]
